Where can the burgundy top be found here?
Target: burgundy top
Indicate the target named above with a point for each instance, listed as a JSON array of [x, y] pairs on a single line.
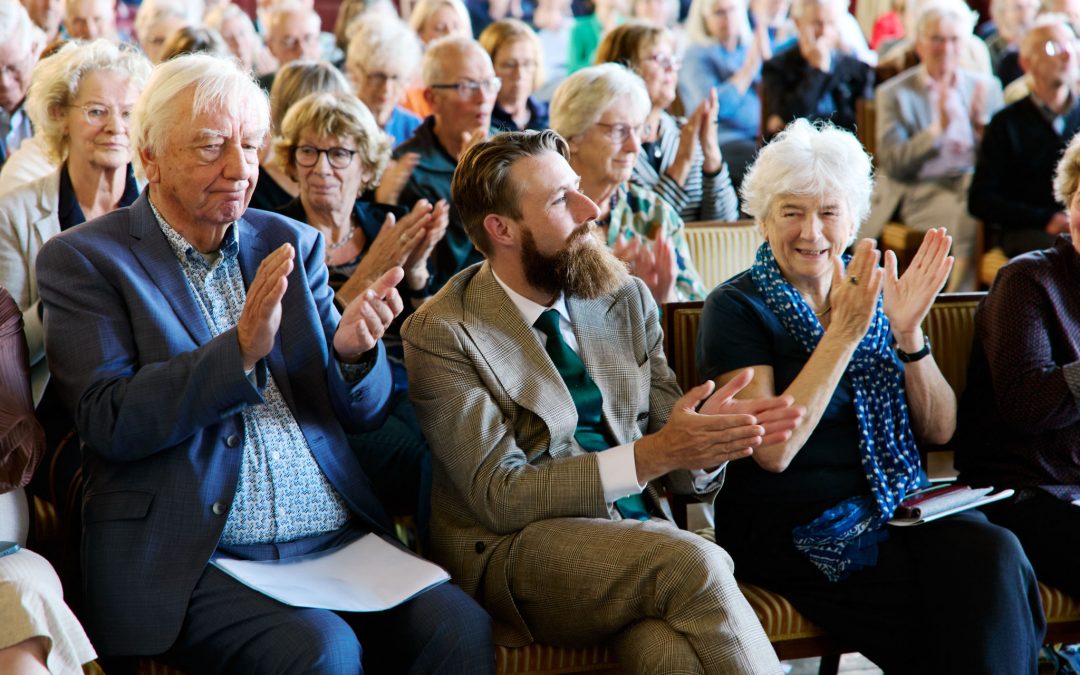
[[1020, 414], [22, 441]]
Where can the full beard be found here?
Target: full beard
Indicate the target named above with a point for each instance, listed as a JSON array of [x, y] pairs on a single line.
[[583, 268]]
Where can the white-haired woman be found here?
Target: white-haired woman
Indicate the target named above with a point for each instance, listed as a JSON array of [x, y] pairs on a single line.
[[431, 20], [679, 159], [381, 60], [156, 20], [601, 112], [807, 517], [725, 55], [236, 28], [517, 58], [80, 101]]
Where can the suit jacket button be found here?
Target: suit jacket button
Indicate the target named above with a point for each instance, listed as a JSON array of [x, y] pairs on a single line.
[[218, 508], [232, 441], [480, 547]]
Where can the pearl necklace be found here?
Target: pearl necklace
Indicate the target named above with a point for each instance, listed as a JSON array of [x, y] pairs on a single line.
[[330, 248]]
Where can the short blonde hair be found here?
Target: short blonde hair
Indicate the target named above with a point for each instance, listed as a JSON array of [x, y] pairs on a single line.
[[506, 31], [334, 114], [423, 10], [1067, 175], [583, 98], [296, 80], [56, 80], [807, 159]]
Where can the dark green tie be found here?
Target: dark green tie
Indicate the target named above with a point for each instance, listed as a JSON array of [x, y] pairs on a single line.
[[588, 400]]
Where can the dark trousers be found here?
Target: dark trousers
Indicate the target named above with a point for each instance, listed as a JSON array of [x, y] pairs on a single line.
[[1049, 530], [953, 596], [230, 628]]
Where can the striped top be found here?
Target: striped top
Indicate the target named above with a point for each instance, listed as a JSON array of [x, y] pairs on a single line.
[[703, 197]]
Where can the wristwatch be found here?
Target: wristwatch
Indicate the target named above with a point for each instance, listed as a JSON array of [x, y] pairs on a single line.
[[915, 356]]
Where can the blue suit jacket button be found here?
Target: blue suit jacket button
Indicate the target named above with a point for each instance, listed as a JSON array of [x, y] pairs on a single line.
[[232, 441], [218, 508]]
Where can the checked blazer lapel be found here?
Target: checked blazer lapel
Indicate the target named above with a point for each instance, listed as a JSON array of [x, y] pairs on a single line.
[[159, 261], [598, 326], [516, 359]]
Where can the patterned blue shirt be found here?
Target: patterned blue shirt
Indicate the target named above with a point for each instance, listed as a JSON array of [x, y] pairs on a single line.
[[282, 494]]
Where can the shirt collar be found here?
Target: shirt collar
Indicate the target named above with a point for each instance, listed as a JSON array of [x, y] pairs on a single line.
[[185, 252], [531, 311]]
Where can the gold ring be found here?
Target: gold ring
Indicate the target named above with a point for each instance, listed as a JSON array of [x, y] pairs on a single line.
[[854, 279], [403, 238]]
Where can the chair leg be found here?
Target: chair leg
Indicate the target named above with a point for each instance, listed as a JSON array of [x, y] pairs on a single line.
[[830, 664]]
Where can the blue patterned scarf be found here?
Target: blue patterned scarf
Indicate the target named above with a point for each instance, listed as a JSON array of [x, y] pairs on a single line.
[[844, 538]]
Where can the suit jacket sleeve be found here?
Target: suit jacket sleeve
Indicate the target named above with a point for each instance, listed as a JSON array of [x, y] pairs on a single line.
[[902, 147]]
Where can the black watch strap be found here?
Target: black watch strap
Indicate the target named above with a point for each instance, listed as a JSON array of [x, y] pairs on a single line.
[[915, 356]]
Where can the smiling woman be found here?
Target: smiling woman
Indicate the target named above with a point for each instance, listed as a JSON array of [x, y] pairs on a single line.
[[80, 102]]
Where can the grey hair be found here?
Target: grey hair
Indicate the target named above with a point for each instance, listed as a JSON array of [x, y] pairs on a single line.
[[152, 11], [1067, 175], [423, 10], [810, 160], [378, 39], [583, 98], [933, 12], [56, 80], [446, 50], [218, 83], [698, 33], [287, 7], [15, 26], [798, 7]]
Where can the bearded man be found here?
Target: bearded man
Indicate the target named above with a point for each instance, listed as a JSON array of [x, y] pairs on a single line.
[[540, 381]]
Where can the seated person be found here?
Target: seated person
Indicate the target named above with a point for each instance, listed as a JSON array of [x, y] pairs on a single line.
[[90, 19], [540, 380], [156, 20], [1011, 188], [275, 187], [432, 20], [381, 60], [461, 87], [1011, 19], [587, 31], [684, 167], [515, 54], [22, 44], [806, 516], [38, 632], [209, 374], [813, 78], [332, 146], [1020, 416], [930, 120], [601, 111], [900, 55], [81, 103], [292, 34]]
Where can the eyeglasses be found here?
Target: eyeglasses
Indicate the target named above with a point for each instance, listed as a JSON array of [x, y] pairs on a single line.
[[307, 156], [618, 133], [467, 89], [665, 62], [379, 78], [97, 115], [510, 66], [291, 42]]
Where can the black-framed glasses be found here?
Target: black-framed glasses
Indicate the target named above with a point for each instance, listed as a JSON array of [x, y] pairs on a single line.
[[97, 114], [307, 156], [468, 88], [619, 132]]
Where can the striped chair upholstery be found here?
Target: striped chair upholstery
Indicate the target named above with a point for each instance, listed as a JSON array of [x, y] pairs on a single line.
[[535, 659], [720, 250]]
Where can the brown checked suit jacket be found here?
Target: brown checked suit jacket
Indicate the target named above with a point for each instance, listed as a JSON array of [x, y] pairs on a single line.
[[500, 422]]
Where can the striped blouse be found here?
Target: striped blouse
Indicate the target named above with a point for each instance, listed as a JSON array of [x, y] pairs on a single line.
[[704, 197]]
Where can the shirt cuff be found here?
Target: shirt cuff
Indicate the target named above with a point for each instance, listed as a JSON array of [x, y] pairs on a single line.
[[703, 479], [618, 472], [1072, 378]]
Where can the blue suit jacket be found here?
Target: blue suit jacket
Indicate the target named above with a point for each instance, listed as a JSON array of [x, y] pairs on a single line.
[[157, 402]]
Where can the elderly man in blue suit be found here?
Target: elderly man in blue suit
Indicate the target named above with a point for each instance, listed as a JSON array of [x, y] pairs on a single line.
[[209, 373]]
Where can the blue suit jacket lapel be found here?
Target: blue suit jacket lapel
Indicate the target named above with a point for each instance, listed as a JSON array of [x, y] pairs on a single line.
[[158, 259]]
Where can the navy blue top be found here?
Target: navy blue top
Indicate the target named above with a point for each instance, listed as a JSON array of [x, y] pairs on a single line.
[[538, 117], [739, 330], [68, 211]]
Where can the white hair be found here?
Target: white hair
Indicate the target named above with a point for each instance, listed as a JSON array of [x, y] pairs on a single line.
[[15, 26], [152, 11], [799, 7], [446, 50], [377, 39], [56, 80], [423, 10], [810, 160], [934, 12], [288, 7], [218, 83], [697, 32], [582, 98]]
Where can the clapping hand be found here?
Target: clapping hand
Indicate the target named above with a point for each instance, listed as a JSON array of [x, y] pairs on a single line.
[[367, 317], [438, 219], [394, 178], [261, 316], [855, 291], [908, 298]]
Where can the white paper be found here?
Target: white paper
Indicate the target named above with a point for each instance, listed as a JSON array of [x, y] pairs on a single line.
[[988, 499], [367, 575]]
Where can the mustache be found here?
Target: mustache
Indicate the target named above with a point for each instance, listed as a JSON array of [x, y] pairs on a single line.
[[580, 231]]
